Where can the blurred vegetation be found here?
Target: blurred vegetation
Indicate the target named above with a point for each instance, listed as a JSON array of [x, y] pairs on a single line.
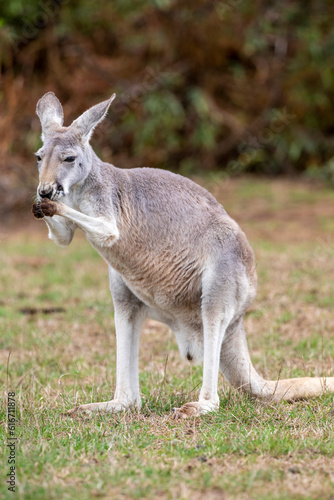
[[208, 85]]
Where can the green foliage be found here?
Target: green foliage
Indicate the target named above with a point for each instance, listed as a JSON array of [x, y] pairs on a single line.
[[163, 118], [221, 70], [324, 173]]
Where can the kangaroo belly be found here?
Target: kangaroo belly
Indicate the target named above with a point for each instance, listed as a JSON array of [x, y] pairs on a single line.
[[164, 280]]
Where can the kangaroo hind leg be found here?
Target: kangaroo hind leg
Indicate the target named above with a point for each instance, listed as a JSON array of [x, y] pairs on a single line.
[[129, 316], [236, 364], [208, 399]]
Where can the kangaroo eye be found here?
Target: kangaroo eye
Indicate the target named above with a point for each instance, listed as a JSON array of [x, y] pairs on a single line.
[[38, 158], [70, 159]]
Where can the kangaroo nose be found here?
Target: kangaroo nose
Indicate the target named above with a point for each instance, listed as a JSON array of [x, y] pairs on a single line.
[[44, 193]]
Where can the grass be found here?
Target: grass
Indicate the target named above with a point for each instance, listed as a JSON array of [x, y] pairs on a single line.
[[65, 356]]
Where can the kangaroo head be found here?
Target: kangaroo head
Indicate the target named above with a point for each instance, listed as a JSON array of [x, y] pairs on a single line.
[[65, 159]]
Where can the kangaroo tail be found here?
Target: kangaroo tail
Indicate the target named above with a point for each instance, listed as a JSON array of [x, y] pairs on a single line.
[[236, 366], [292, 389]]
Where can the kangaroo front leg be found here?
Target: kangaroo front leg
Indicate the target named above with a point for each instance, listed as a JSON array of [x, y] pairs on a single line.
[[100, 230]]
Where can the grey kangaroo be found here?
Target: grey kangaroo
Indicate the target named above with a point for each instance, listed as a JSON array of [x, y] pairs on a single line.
[[174, 255]]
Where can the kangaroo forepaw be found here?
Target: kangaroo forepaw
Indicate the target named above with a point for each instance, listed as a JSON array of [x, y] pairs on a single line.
[[48, 207], [44, 208], [36, 211]]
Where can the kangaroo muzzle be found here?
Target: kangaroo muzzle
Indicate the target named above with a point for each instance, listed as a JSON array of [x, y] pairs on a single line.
[[49, 191]]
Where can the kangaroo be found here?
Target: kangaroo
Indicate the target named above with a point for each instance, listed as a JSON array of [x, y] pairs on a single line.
[[173, 253]]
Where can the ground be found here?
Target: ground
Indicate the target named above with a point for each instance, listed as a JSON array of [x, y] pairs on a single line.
[[56, 322]]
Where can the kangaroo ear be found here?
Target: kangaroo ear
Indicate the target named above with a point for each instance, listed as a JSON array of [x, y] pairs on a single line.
[[87, 122], [50, 113]]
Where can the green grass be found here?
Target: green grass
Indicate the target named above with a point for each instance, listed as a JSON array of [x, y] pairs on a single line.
[[247, 450]]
